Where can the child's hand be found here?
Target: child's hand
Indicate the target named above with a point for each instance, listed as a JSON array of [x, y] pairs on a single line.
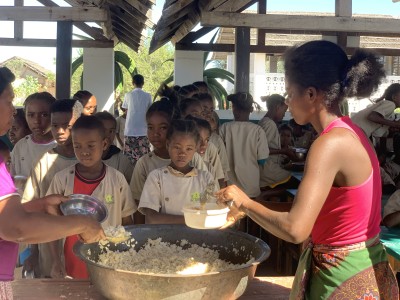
[[58, 270]]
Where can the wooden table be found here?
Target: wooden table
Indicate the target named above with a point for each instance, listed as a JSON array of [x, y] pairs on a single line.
[[49, 289]]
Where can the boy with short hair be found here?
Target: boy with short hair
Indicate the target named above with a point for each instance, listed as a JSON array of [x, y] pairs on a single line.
[[113, 156], [91, 176], [63, 115]]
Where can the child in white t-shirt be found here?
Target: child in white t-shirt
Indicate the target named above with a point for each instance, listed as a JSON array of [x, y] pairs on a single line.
[[169, 188], [29, 150]]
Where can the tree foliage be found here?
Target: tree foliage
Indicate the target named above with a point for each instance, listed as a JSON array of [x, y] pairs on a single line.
[[28, 86]]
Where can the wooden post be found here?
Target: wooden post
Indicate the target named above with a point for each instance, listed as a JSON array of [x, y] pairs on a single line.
[[242, 57], [63, 59], [343, 8], [18, 25], [261, 9]]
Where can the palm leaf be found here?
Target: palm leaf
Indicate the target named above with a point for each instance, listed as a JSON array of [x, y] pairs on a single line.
[[118, 76], [220, 74], [76, 64], [125, 60]]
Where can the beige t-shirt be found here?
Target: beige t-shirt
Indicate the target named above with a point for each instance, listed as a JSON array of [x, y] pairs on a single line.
[[245, 144], [392, 205], [26, 154], [212, 159], [384, 108], [219, 143], [43, 173], [122, 163], [167, 190], [271, 173], [150, 162], [113, 190]]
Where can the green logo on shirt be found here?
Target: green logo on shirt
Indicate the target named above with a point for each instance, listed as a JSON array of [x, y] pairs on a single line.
[[195, 197], [109, 199]]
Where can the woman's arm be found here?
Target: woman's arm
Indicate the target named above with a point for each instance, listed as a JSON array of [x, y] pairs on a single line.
[[378, 118], [19, 225], [295, 226], [153, 217]]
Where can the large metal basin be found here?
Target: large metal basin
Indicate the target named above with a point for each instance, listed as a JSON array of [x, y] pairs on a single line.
[[118, 284]]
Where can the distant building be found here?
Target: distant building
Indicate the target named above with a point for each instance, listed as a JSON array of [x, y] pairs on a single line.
[[22, 68]]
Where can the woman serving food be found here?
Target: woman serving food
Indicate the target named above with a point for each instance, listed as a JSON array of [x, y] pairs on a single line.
[[338, 202], [35, 221]]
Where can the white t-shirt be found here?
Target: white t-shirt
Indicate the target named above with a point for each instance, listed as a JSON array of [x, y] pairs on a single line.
[[137, 103], [26, 154], [167, 190]]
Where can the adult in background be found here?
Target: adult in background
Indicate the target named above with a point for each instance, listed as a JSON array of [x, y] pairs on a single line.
[[88, 101], [136, 102], [338, 202], [33, 222]]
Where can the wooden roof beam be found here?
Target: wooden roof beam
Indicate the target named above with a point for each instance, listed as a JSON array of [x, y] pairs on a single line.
[[126, 37], [96, 33], [52, 43], [287, 22], [127, 19], [236, 5], [269, 49], [123, 7], [128, 32], [35, 13], [175, 8]]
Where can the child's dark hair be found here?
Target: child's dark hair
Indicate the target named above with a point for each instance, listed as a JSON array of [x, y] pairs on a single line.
[[325, 66], [170, 93], [186, 103], [42, 96], [390, 92], [67, 106], [106, 116], [89, 123], [202, 86], [138, 79], [200, 123], [273, 101], [4, 146], [165, 107], [184, 127], [243, 101], [82, 96], [6, 77], [188, 90], [20, 118], [204, 97]]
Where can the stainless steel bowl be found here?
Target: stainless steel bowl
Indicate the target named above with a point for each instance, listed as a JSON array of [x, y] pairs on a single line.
[[300, 152], [79, 204], [118, 284]]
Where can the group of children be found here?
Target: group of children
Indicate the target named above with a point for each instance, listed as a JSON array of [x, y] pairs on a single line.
[[66, 147]]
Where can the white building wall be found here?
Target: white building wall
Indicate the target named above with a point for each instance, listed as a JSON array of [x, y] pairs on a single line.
[[188, 67], [98, 76]]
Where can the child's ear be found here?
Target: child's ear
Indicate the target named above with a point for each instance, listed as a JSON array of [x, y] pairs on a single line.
[[105, 144]]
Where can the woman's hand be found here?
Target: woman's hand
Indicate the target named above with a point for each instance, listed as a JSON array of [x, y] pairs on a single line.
[[236, 200], [93, 231], [52, 204]]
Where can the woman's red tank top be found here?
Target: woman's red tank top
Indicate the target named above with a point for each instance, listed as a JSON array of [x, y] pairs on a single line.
[[351, 214]]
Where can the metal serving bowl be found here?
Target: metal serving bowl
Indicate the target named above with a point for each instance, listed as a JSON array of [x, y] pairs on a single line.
[[118, 284], [79, 204], [300, 152]]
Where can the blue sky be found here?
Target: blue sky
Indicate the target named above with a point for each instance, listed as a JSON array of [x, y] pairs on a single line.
[[45, 56]]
